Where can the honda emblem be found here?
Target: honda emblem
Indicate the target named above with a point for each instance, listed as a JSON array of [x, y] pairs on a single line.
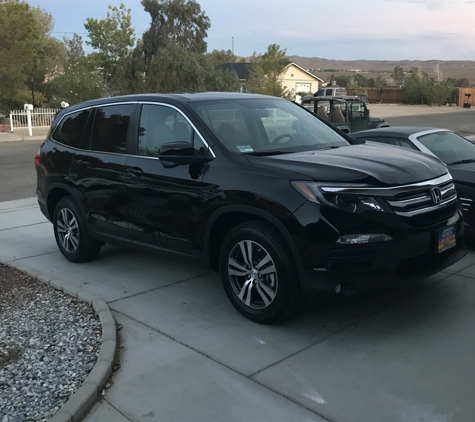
[[436, 195]]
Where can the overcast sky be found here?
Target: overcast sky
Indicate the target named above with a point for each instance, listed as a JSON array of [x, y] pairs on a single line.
[[332, 29]]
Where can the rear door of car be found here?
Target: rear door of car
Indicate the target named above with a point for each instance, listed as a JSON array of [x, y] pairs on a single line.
[[98, 170]]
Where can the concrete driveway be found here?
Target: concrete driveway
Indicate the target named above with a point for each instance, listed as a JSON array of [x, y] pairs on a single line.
[[187, 355]]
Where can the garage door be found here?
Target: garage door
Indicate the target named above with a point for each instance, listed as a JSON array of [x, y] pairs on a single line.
[[302, 87]]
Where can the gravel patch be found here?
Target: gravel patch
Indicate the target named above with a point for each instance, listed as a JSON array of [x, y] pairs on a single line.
[[49, 342]]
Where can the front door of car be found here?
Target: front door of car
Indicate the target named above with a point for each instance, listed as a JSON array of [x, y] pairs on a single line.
[[98, 171], [165, 204]]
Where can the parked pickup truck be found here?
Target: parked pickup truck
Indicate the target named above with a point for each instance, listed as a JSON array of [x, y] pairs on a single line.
[[348, 113]]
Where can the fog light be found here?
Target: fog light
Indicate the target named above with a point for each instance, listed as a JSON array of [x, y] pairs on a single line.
[[356, 239]]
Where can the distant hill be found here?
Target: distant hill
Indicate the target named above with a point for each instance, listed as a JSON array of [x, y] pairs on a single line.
[[450, 69]]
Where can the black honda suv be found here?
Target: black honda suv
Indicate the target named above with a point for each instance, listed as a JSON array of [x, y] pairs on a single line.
[[257, 187]]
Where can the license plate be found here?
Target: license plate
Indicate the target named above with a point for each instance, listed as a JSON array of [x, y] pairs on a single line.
[[446, 239]]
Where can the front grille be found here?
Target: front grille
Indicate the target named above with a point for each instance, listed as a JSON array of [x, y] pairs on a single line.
[[344, 257], [422, 203], [419, 201], [432, 217]]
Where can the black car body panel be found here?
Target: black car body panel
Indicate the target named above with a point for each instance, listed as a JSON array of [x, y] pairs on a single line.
[[188, 210], [463, 173], [363, 164]]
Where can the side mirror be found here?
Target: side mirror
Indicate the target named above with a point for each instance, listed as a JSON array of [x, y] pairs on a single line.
[[175, 154]]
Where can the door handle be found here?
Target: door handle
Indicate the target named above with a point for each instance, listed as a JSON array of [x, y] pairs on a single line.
[[83, 163], [135, 171]]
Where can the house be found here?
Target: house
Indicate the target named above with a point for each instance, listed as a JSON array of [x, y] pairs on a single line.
[[295, 78]]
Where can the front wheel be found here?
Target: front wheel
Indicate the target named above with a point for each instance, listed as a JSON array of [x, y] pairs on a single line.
[[71, 233], [258, 273]]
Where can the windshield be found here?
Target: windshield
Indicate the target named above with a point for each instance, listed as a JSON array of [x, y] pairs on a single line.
[[266, 125], [449, 147]]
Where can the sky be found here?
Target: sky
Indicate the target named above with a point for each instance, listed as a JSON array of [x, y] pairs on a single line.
[[331, 29]]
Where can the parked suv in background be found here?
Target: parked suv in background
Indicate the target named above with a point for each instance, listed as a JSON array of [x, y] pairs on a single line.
[[349, 113], [334, 91], [256, 187]]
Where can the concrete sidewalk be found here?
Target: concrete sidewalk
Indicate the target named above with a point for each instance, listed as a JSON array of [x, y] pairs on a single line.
[[405, 355], [22, 135], [401, 110]]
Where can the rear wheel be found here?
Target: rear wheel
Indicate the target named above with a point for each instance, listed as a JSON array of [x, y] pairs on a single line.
[[71, 233], [258, 273]]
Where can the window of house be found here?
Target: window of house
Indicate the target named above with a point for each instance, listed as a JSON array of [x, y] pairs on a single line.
[[111, 123], [71, 129]]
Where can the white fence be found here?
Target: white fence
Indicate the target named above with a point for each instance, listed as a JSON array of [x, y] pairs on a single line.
[[41, 118]]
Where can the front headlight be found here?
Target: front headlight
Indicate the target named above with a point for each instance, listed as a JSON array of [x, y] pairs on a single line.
[[344, 201]]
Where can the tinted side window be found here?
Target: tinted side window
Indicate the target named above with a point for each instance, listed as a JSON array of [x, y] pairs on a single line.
[[329, 91], [71, 129], [109, 133], [160, 125]]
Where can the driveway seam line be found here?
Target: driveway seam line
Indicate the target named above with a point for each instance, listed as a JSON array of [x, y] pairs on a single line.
[[26, 225], [346, 327], [220, 363], [156, 288], [118, 411]]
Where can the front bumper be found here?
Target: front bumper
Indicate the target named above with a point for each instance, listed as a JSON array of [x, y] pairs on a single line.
[[410, 256], [408, 270]]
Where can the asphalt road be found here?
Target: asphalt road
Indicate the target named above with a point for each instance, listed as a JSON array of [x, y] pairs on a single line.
[[461, 123], [17, 169], [18, 176]]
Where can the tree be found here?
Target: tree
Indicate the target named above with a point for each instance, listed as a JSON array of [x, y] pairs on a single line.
[[342, 80], [380, 82], [265, 76], [398, 75], [174, 41], [80, 80], [179, 22], [459, 83], [27, 52], [219, 57], [440, 92], [113, 38]]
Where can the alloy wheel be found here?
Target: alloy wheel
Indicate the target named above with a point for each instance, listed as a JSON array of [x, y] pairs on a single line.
[[253, 274], [68, 230]]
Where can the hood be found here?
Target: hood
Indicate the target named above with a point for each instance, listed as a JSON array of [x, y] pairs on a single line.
[[378, 165], [464, 173], [375, 119]]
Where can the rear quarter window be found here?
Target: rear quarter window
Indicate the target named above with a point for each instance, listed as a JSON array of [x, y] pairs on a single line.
[[71, 129]]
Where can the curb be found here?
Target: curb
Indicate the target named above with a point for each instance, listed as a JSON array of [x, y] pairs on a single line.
[[90, 391]]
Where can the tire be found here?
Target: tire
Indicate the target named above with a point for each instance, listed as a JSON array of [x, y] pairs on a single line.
[[71, 233], [258, 273]]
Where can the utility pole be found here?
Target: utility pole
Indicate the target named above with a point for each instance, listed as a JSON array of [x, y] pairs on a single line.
[[232, 63], [32, 93]]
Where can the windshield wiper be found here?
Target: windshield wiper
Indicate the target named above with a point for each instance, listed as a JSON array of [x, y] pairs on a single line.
[[471, 160], [267, 153]]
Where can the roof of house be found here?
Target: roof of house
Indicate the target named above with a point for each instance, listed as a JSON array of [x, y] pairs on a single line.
[[242, 69], [306, 71]]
